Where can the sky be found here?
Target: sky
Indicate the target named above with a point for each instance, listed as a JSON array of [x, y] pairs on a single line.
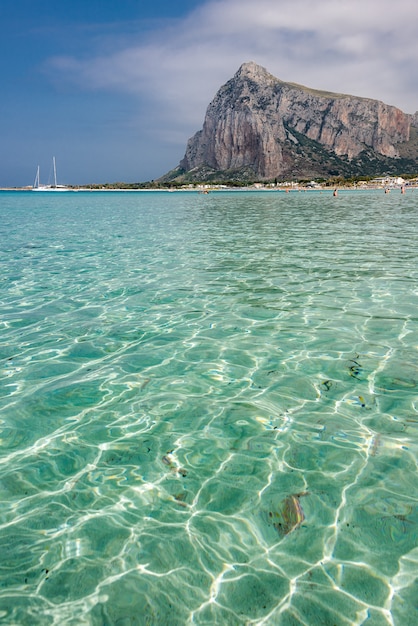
[[114, 88]]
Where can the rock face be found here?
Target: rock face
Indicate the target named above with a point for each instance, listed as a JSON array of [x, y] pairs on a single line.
[[261, 125], [414, 119]]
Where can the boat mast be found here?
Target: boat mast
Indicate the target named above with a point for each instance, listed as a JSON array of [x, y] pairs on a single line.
[[55, 172], [37, 182]]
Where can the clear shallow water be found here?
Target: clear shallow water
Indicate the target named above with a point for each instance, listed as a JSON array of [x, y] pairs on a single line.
[[208, 409]]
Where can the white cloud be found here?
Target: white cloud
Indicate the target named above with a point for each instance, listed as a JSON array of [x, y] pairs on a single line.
[[362, 47]]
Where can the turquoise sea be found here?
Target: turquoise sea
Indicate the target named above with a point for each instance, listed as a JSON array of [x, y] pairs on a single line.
[[209, 408]]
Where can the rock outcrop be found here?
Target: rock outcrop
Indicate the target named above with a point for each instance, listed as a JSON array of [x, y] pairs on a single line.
[[261, 126], [414, 120]]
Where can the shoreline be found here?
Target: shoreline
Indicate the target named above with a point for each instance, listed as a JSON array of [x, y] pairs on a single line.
[[206, 189]]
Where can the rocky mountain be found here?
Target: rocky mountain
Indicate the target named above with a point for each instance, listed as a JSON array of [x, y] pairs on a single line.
[[259, 127]]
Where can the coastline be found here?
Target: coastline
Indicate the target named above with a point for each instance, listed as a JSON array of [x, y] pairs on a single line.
[[215, 188], [384, 183]]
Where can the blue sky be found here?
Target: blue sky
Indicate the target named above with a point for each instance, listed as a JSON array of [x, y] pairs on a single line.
[[114, 89]]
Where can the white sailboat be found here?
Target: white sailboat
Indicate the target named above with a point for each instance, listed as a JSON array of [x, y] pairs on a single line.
[[54, 187]]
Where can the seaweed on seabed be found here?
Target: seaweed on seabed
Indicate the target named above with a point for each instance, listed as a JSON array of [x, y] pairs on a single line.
[[355, 367], [289, 515]]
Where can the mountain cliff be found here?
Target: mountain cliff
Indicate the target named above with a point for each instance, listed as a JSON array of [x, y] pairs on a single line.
[[259, 127]]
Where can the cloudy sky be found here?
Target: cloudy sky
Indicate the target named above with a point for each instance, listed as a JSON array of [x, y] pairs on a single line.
[[114, 89]]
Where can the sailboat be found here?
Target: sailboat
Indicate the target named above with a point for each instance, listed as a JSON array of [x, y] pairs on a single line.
[[54, 187]]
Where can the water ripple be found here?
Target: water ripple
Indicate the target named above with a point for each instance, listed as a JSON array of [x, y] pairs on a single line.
[[208, 409]]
